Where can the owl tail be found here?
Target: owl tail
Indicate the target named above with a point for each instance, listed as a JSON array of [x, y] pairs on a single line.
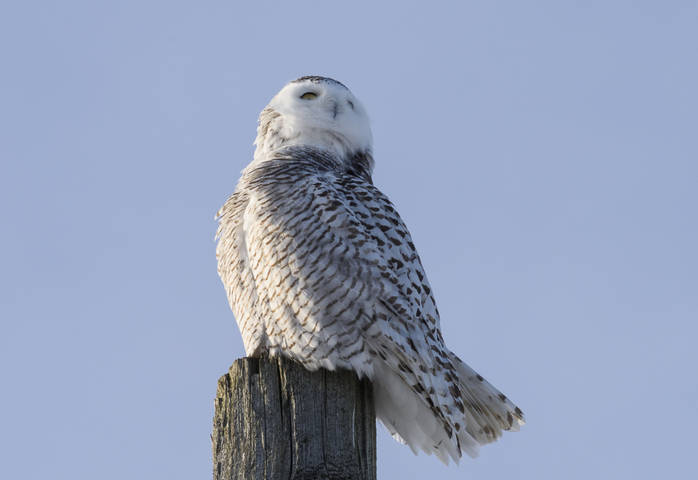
[[488, 412], [445, 424], [411, 420]]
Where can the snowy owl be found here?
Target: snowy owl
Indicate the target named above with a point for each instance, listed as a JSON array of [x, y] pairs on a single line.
[[318, 266]]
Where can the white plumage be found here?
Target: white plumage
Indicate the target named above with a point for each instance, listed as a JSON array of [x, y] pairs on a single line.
[[318, 266]]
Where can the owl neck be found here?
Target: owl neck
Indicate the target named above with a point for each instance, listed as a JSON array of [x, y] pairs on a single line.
[[357, 163], [276, 132], [321, 139]]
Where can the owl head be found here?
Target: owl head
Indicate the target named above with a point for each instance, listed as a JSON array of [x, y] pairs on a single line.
[[314, 111]]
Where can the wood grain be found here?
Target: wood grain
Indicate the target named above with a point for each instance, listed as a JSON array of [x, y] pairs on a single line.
[[276, 420]]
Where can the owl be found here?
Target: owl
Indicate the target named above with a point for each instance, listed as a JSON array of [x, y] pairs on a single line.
[[319, 267]]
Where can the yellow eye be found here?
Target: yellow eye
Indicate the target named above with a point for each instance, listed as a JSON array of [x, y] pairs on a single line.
[[309, 95]]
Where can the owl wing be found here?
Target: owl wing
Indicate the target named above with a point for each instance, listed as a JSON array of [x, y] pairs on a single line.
[[235, 272], [317, 271]]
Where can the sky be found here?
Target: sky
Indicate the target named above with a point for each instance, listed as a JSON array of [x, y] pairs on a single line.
[[543, 154]]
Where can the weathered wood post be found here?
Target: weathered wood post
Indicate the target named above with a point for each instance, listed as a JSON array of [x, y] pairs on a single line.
[[276, 420]]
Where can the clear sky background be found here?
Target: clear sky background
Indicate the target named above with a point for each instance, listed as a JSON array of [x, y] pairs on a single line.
[[544, 155]]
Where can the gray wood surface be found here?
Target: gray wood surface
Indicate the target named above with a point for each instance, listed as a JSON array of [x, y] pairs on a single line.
[[276, 420]]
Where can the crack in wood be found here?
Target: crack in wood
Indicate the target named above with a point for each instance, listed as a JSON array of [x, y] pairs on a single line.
[[275, 420]]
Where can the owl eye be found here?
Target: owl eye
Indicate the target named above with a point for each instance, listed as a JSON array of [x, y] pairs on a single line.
[[309, 95]]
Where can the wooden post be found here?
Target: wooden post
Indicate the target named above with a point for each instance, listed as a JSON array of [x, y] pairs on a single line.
[[276, 420]]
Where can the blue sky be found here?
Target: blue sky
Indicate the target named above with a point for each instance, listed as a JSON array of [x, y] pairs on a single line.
[[542, 153]]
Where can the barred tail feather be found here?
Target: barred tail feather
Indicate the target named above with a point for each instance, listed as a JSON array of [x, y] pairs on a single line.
[[488, 411], [411, 421]]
